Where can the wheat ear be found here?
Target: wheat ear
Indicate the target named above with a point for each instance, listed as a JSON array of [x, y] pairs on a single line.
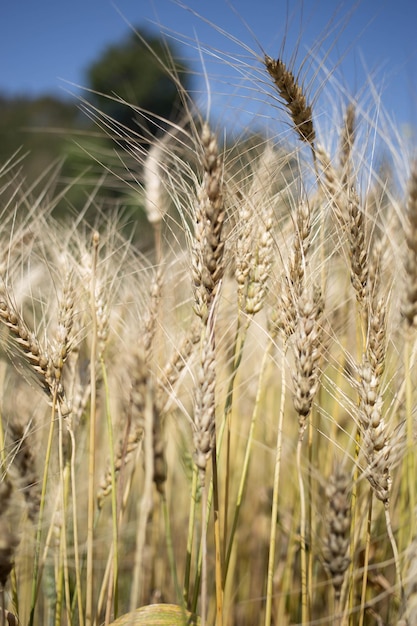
[[409, 307], [254, 243], [337, 539], [33, 352], [295, 100], [294, 278], [373, 427], [208, 269], [208, 248], [347, 140]]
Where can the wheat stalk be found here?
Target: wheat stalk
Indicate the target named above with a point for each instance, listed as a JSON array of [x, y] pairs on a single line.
[[208, 270]]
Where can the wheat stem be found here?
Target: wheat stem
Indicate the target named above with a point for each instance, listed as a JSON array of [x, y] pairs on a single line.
[[190, 536], [246, 461], [275, 496], [204, 523], [89, 583], [170, 551], [396, 556], [145, 505], [63, 579], [78, 593], [112, 596], [36, 575], [366, 560], [305, 608], [239, 344]]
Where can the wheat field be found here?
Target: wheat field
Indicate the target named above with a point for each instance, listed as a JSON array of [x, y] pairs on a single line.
[[222, 430]]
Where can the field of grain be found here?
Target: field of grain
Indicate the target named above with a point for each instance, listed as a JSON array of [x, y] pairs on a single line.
[[223, 430]]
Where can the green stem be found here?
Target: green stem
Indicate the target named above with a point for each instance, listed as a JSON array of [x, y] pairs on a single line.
[[36, 560], [396, 558], [246, 461], [190, 535], [410, 459], [217, 540], [304, 592], [366, 561], [113, 591], [63, 579], [170, 550], [219, 440], [275, 494], [239, 346], [92, 443], [78, 594], [204, 524]]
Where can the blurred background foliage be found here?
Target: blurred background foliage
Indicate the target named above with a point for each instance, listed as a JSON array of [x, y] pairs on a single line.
[[84, 154], [83, 139]]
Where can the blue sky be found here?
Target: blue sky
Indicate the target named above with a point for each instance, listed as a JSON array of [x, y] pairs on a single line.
[[46, 42]]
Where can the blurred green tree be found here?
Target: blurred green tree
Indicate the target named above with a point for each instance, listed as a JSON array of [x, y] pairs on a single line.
[[36, 126], [131, 89], [136, 72], [142, 71]]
